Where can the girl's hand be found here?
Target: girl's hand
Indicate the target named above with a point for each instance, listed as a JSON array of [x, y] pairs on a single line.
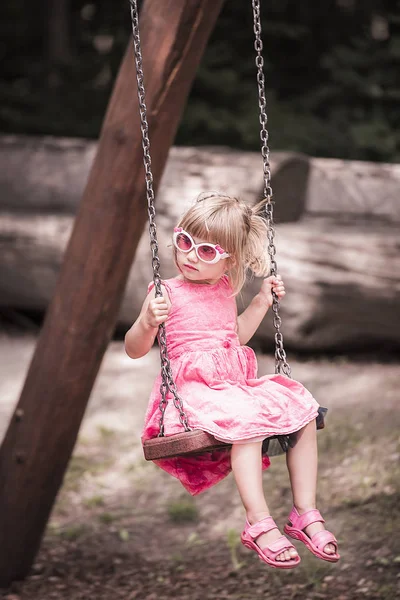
[[157, 312], [270, 284]]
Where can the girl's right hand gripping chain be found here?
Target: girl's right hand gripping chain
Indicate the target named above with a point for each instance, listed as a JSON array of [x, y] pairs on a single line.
[[157, 312]]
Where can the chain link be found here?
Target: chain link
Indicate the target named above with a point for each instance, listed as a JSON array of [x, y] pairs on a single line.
[[281, 364], [167, 383]]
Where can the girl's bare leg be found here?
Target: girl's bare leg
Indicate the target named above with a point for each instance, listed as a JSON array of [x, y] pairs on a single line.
[[302, 462], [247, 470]]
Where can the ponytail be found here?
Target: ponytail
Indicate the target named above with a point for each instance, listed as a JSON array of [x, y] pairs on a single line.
[[256, 256]]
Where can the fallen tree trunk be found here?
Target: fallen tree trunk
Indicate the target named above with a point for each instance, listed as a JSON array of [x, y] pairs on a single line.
[[346, 210], [343, 279], [44, 174]]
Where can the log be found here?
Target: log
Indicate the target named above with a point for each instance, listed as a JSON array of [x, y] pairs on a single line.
[[307, 190], [343, 284], [357, 188], [82, 315], [341, 295], [45, 174]]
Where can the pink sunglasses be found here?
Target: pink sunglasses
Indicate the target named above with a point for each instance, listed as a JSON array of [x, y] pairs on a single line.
[[208, 253]]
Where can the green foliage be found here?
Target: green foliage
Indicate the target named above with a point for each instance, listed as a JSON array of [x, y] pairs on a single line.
[[233, 541], [123, 535], [106, 518], [73, 532], [94, 501], [183, 511], [332, 75]]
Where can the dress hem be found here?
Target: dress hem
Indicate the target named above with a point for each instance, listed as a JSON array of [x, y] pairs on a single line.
[[259, 434]]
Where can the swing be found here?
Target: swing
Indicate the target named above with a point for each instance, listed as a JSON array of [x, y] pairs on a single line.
[[197, 441]]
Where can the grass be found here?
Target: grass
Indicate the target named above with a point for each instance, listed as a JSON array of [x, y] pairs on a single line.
[[123, 535], [314, 572], [106, 518], [72, 533], [194, 539], [183, 511], [233, 541], [105, 433], [80, 466], [94, 501]]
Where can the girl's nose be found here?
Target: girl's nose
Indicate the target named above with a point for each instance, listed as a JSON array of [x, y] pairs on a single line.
[[192, 256]]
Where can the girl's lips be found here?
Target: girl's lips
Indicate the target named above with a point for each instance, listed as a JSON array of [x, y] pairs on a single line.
[[190, 267]]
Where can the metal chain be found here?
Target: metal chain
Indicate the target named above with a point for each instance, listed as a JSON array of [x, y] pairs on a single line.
[[166, 371], [281, 364]]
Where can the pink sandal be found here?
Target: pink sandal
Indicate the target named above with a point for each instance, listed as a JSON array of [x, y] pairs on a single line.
[[269, 553], [316, 543]]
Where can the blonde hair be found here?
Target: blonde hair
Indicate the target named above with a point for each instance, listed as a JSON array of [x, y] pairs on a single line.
[[238, 228]]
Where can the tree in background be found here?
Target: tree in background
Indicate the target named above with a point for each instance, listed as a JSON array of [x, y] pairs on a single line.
[[332, 74]]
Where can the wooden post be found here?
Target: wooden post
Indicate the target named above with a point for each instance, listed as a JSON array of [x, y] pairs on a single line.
[[83, 312]]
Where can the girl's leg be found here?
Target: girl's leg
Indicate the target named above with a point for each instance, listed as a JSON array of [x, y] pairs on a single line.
[[247, 470], [302, 462]]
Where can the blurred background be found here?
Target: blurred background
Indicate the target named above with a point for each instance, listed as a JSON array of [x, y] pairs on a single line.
[[332, 72], [122, 528]]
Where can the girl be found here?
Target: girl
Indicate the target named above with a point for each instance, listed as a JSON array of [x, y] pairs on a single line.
[[216, 243]]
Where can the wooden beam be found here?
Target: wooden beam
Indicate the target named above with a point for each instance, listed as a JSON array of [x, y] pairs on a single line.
[[83, 312]]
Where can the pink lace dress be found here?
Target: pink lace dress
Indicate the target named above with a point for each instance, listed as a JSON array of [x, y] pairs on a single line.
[[217, 380]]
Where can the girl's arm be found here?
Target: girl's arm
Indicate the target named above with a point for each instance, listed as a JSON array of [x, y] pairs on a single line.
[[140, 337], [250, 319]]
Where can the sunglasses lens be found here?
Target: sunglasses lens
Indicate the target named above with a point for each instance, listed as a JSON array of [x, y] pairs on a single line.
[[207, 253], [183, 242]]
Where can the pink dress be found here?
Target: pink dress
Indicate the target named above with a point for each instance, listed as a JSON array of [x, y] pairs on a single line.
[[217, 380]]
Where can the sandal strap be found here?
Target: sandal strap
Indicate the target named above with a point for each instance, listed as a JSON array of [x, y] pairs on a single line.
[[322, 538], [302, 521], [280, 545], [260, 527]]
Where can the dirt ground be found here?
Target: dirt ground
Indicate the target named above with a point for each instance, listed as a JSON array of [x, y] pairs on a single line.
[[123, 529]]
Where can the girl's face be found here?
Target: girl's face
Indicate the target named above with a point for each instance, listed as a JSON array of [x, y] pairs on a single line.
[[197, 271]]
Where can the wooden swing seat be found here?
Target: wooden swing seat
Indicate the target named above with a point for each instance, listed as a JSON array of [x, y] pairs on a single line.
[[197, 441], [179, 444]]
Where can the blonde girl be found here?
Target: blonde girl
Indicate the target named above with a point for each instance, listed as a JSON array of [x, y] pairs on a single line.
[[217, 244]]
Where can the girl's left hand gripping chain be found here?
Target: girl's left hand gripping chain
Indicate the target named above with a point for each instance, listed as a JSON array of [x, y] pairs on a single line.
[[272, 283]]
